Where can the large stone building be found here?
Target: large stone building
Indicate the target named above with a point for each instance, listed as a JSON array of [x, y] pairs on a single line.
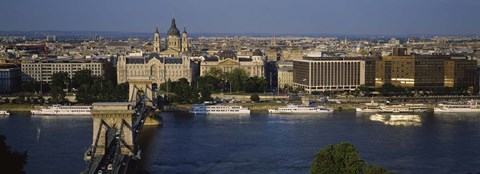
[[157, 68], [423, 72], [176, 44], [328, 74], [227, 60], [285, 74], [41, 70], [10, 78]]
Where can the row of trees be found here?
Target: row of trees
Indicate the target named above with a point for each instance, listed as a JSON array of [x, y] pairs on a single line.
[[88, 88], [214, 80], [236, 80], [91, 88]]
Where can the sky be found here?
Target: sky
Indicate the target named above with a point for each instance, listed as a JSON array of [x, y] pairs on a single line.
[[452, 17]]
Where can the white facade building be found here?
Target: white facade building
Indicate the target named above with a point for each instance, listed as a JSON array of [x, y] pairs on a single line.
[[328, 75], [41, 70]]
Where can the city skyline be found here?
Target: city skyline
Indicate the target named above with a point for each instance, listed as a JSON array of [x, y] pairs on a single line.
[[369, 17]]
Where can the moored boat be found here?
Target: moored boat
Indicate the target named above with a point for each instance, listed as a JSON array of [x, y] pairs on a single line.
[[218, 109], [470, 106], [401, 108], [300, 109], [63, 110]]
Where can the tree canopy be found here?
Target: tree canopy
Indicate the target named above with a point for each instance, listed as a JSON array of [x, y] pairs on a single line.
[[12, 161], [342, 158]]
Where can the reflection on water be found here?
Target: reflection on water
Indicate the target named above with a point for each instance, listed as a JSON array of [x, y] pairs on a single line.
[[259, 143], [458, 116], [397, 120]]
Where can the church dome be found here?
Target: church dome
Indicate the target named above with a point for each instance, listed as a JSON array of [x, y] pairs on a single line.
[[173, 31], [257, 52], [224, 54]]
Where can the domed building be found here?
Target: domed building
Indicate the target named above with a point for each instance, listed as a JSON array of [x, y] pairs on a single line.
[[176, 44], [227, 60]]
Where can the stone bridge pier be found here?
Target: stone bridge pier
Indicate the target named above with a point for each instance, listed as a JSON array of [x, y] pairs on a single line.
[[117, 116]]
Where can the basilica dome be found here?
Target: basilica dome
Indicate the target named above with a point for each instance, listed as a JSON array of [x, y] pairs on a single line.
[[173, 31]]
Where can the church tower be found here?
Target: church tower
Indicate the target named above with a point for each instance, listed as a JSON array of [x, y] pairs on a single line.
[[173, 38], [185, 45], [156, 41]]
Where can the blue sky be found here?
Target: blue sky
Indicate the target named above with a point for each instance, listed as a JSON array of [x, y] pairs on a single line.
[[246, 16]]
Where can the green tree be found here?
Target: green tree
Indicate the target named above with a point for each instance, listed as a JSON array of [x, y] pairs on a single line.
[[60, 79], [57, 94], [342, 158], [84, 95], [82, 77], [205, 95], [121, 92], [216, 72], [30, 86], [184, 93], [255, 97], [362, 90], [255, 84], [236, 78], [12, 161]]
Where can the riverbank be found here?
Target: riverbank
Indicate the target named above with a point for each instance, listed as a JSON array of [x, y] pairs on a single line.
[[256, 107], [17, 107]]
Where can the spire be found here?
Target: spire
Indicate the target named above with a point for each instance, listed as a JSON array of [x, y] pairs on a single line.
[[185, 30], [156, 31], [173, 31], [173, 22]]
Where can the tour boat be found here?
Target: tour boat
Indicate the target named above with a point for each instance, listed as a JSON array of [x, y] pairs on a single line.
[[403, 108], [369, 107], [63, 110], [218, 109], [470, 106], [300, 109], [5, 113]]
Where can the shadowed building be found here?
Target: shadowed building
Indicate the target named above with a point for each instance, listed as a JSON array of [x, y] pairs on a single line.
[[10, 78], [424, 72]]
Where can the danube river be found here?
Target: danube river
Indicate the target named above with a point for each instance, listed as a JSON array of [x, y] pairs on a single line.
[[259, 143]]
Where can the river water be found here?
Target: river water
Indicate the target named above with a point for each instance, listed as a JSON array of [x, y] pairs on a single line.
[[258, 143]]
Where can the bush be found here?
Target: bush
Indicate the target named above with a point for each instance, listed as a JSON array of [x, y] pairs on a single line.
[[255, 97], [342, 158], [12, 161]]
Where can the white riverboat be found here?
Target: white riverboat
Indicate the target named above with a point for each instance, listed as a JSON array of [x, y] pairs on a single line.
[[369, 107], [63, 110], [470, 106], [300, 109], [401, 108], [4, 113], [218, 109]]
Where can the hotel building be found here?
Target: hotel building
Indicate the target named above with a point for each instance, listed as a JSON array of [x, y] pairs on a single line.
[[41, 70], [423, 72], [333, 74]]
